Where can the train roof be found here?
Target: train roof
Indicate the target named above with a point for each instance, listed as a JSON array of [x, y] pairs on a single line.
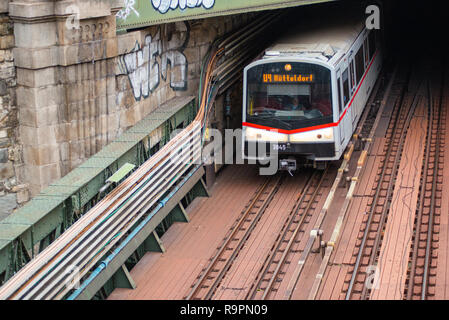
[[325, 39]]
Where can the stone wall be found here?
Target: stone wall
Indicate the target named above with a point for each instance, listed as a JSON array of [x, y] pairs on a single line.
[[77, 85], [160, 62], [65, 54], [11, 191]]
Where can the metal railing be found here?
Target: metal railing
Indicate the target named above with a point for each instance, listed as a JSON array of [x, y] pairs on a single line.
[[51, 275]]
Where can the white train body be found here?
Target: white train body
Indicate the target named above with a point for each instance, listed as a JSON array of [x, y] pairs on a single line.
[[328, 72]]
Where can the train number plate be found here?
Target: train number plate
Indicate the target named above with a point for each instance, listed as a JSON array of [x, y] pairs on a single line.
[[281, 147]]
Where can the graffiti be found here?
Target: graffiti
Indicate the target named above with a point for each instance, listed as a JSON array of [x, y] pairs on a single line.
[[164, 5], [145, 65], [128, 7]]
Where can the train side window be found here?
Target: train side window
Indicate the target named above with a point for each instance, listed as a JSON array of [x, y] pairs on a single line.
[[367, 59], [372, 44], [352, 75], [340, 107], [345, 87], [359, 64]]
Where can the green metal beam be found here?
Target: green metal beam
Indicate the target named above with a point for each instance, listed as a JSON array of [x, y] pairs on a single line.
[[121, 173], [115, 263], [179, 214], [147, 12], [122, 279], [58, 206], [200, 190], [153, 243]]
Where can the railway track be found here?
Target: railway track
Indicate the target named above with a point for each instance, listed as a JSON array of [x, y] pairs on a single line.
[[272, 273], [371, 233], [54, 272], [280, 256], [362, 138], [209, 280], [422, 272]]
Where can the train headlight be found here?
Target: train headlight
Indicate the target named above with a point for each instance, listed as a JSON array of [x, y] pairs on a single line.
[[253, 134], [322, 135], [329, 135]]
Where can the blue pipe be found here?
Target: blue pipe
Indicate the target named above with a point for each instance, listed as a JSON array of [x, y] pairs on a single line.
[[105, 262]]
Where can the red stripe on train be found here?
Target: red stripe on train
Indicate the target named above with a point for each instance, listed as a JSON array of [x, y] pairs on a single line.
[[330, 125]]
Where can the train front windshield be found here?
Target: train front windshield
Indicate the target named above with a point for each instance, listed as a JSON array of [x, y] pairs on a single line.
[[289, 96]]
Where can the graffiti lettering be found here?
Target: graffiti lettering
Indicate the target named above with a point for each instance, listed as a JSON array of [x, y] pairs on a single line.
[[164, 5], [176, 60], [157, 59], [128, 7]]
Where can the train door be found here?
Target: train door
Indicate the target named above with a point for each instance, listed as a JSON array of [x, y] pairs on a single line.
[[353, 85], [341, 107], [346, 123]]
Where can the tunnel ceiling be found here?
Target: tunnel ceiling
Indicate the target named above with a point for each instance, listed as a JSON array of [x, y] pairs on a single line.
[[141, 13]]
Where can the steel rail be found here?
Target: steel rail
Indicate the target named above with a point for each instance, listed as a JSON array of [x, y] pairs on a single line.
[[291, 221], [290, 243], [430, 227], [229, 239], [244, 239], [421, 197], [385, 208], [255, 199], [343, 211], [323, 212]]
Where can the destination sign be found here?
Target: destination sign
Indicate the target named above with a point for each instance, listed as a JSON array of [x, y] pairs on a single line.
[[287, 78]]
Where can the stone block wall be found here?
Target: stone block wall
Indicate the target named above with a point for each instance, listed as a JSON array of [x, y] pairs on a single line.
[[69, 84], [11, 191], [159, 62], [65, 54]]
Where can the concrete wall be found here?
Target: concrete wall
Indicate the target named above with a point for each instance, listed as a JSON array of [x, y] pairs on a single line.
[[76, 84]]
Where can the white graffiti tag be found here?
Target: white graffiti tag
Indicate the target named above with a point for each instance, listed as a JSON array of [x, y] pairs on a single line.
[[164, 5], [129, 6], [156, 59], [143, 70]]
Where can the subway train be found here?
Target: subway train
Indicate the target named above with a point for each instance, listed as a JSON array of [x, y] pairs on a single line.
[[304, 95]]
